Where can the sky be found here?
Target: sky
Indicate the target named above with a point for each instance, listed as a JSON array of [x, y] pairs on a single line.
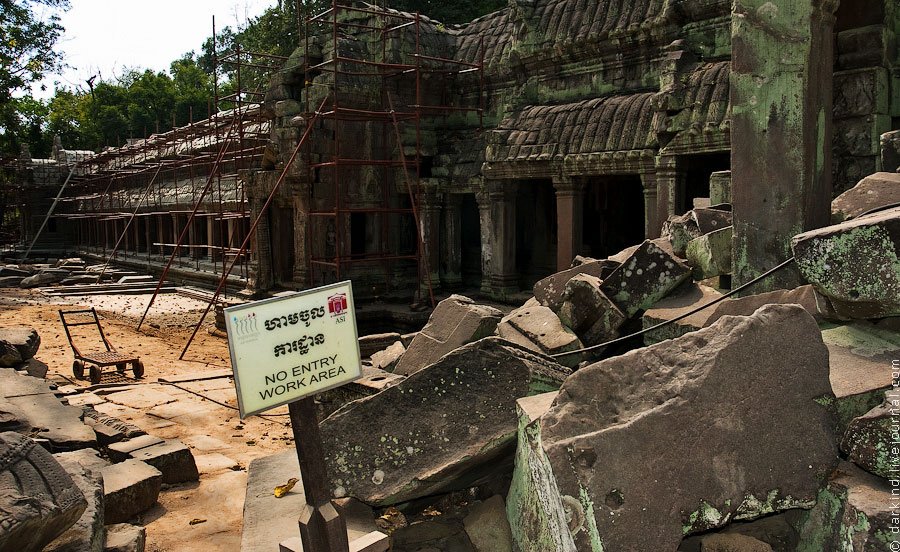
[[103, 36]]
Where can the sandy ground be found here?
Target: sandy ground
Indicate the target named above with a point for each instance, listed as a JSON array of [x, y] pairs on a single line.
[[204, 515]]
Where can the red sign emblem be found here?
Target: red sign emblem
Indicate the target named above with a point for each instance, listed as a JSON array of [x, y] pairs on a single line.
[[337, 304]]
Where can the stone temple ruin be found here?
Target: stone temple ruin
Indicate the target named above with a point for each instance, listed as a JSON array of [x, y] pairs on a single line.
[[597, 171]]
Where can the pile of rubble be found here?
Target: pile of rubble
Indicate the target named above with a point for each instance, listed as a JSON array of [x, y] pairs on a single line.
[[759, 423], [72, 276], [72, 478]]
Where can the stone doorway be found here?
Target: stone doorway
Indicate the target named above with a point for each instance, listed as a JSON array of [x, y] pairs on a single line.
[[535, 231], [613, 214]]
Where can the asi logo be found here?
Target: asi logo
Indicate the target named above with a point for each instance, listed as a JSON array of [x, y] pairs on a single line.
[[245, 325], [337, 304]]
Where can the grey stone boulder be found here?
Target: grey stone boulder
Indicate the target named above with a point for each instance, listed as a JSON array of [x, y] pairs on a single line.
[[487, 526], [24, 340], [805, 296], [855, 264], [129, 488], [681, 301], [455, 321], [870, 442], [440, 429], [645, 277], [44, 278], [679, 230], [39, 501], [87, 534], [890, 151], [588, 311], [372, 343], [542, 327], [710, 254], [124, 537], [874, 191], [853, 512], [639, 450], [550, 290], [388, 358]]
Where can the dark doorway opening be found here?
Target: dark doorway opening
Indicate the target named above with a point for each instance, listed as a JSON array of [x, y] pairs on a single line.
[[697, 169], [281, 235], [470, 234], [357, 234], [613, 214], [535, 231]]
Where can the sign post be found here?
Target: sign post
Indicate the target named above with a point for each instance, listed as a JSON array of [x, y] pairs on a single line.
[[283, 351]]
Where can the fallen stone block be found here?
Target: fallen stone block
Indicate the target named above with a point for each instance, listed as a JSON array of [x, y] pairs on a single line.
[[6, 271], [371, 344], [455, 321], [487, 526], [589, 312], [123, 450], [118, 429], [173, 458], [388, 358], [594, 467], [465, 422], [890, 151], [549, 291], [24, 340], [372, 381], [541, 326], [87, 533], [853, 512], [623, 255], [124, 537], [11, 281], [720, 187], [855, 264], [859, 356], [732, 542], [35, 368], [710, 254], [684, 299], [870, 441], [805, 296], [9, 356], [679, 230], [129, 488], [43, 279], [38, 498], [874, 191], [645, 277]]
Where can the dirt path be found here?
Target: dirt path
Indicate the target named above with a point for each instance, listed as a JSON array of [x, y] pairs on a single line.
[[204, 515]]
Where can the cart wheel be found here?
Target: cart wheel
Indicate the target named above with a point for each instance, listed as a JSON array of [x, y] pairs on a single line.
[[78, 369], [138, 368], [121, 367], [95, 374]]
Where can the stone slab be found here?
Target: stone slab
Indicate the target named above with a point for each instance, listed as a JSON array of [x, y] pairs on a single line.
[[123, 450], [543, 327], [805, 296], [876, 190], [710, 254], [87, 534], [140, 398], [124, 537], [129, 488], [549, 291], [173, 458], [645, 277], [487, 526], [684, 299]]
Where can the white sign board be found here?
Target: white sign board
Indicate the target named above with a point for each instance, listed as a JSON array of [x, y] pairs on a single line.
[[286, 348]]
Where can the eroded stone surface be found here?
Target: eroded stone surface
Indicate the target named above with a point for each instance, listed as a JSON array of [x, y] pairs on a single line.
[[38, 498], [855, 264], [873, 191], [870, 440], [541, 326], [388, 358], [455, 321], [645, 277], [710, 254], [589, 312], [25, 341], [686, 298], [549, 291], [87, 533], [129, 488], [463, 408], [615, 439], [124, 537]]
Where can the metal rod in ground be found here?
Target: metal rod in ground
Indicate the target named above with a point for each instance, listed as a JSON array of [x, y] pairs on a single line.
[[322, 529], [259, 216], [221, 155], [50, 212]]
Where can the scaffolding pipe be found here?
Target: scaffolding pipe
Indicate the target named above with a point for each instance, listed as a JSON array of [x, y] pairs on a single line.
[[259, 216]]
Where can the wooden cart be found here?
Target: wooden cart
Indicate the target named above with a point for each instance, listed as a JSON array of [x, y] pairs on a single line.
[[97, 359]]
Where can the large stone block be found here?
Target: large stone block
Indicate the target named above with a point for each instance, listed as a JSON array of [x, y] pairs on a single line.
[[124, 537], [589, 312], [710, 254], [639, 450], [871, 440], [388, 358], [890, 151], [855, 511], [549, 291], [39, 501], [129, 488], [455, 321], [441, 429], [681, 229], [172, 458], [876, 190], [855, 264], [25, 341], [648, 275], [44, 279], [683, 300], [805, 296], [87, 533], [541, 326]]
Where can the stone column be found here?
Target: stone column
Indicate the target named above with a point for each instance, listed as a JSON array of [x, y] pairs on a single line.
[[300, 200], [211, 241], [260, 277], [487, 242], [430, 234], [504, 278], [652, 220], [569, 219], [781, 88], [451, 252], [669, 185]]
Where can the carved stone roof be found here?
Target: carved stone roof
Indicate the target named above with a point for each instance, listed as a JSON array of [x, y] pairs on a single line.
[[496, 29], [536, 133], [571, 20]]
